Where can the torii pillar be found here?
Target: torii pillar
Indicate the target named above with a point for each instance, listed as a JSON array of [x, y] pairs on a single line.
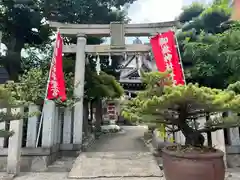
[[79, 80]]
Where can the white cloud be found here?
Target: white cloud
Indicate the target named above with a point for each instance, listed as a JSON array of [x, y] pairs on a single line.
[[144, 11], [147, 11]]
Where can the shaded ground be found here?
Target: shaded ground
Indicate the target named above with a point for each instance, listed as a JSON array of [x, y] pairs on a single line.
[[120, 156], [126, 141]]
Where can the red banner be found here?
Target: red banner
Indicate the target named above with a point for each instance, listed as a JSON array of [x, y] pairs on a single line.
[[166, 56], [236, 11], [56, 85]]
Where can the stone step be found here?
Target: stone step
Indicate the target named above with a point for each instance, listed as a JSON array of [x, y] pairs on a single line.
[[62, 165], [114, 164]]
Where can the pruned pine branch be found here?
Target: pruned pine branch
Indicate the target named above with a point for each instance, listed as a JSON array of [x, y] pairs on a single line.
[[218, 123], [183, 107], [5, 134], [7, 116]]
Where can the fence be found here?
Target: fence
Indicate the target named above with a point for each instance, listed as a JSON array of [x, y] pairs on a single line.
[[56, 135], [227, 140]]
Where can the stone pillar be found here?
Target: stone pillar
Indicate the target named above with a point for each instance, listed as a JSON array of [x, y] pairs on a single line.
[[32, 126], [48, 124], [79, 89], [15, 144], [129, 94], [59, 135], [0, 42], [234, 136], [218, 139], [157, 140], [3, 127], [67, 126], [218, 142], [56, 121], [202, 121], [181, 138]]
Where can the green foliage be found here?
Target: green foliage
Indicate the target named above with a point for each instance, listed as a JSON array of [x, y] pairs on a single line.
[[102, 86], [82, 11], [209, 19], [23, 23], [191, 12], [154, 87], [215, 58], [10, 99], [181, 105], [235, 87], [209, 47], [32, 86]]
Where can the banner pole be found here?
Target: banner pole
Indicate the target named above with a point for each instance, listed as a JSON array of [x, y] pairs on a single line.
[[45, 97], [179, 55]]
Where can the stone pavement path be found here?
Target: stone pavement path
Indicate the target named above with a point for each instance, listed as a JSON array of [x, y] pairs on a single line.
[[120, 156], [117, 155], [63, 176]]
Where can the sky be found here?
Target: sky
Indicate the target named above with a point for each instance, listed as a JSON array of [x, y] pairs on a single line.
[[145, 11]]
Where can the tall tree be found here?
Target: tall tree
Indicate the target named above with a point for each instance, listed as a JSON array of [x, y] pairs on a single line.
[[23, 22], [208, 49]]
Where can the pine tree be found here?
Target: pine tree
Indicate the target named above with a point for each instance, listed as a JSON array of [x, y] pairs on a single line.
[[180, 106], [9, 100]]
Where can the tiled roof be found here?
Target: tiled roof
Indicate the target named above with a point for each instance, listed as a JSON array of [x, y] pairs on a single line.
[[3, 75]]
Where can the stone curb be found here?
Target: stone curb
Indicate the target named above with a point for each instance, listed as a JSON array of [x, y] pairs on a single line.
[[5, 176], [91, 140], [148, 144], [153, 151]]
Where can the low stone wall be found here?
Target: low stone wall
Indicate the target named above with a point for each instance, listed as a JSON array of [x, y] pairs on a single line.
[[38, 159], [159, 142], [233, 156], [32, 159]]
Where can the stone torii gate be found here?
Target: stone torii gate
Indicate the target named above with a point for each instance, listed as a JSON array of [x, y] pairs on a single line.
[[117, 31]]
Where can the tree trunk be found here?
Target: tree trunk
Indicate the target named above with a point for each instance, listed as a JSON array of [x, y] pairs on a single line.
[[12, 61], [193, 137], [90, 121], [12, 64], [85, 117], [91, 110], [98, 105]]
